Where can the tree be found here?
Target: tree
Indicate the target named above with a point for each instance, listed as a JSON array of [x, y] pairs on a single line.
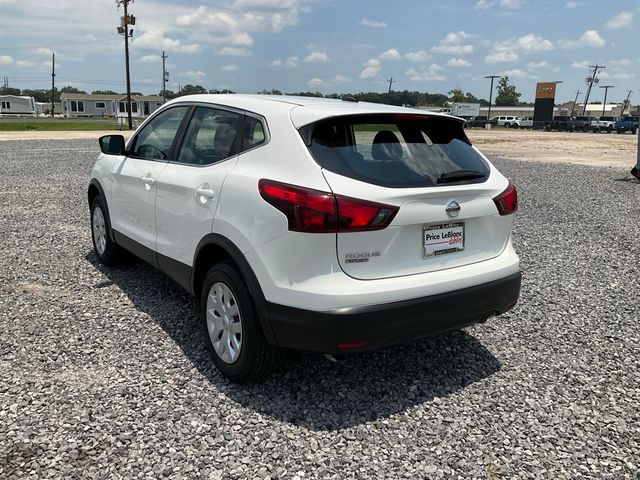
[[10, 91], [471, 98], [43, 96], [508, 95], [104, 92], [69, 89], [193, 90], [456, 95]]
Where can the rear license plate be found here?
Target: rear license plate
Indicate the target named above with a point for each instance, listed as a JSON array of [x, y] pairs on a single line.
[[443, 239]]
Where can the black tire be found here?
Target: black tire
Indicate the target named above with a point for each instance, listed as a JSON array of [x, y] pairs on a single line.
[[609, 129], [257, 359], [112, 253], [634, 131], [585, 129]]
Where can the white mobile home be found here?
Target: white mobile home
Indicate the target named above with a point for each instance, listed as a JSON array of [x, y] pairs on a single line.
[[15, 105], [89, 105]]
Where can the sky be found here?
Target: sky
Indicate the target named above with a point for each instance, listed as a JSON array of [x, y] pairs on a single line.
[[326, 45]]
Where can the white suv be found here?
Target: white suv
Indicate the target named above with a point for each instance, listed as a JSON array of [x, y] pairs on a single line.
[[323, 225]]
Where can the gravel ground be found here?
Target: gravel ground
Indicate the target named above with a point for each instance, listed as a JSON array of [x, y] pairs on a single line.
[[104, 374]]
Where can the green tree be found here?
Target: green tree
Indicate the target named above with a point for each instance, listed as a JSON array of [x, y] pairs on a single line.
[[193, 90], [456, 95], [10, 91], [69, 89], [104, 92], [42, 95], [508, 95]]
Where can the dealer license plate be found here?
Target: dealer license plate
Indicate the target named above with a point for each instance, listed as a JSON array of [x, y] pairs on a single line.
[[443, 239]]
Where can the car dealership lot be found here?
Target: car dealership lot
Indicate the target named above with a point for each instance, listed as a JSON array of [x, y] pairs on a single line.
[[104, 372]]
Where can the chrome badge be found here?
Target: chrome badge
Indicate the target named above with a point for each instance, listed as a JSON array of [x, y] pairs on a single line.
[[453, 209]]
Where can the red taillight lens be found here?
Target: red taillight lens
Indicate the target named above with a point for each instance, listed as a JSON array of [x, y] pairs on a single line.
[[316, 211], [507, 201]]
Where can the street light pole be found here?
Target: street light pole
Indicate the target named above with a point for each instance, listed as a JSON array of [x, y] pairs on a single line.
[[606, 90], [492, 77]]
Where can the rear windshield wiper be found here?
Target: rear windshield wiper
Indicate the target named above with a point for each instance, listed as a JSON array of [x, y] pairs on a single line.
[[460, 175]]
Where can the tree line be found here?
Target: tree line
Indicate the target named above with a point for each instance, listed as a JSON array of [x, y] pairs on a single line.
[[507, 95]]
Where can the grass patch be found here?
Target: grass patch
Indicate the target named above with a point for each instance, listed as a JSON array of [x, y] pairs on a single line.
[[55, 126]]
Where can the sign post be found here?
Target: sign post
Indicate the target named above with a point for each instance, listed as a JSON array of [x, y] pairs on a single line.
[[545, 104]]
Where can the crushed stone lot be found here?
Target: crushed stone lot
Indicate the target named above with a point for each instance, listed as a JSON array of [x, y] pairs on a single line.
[[105, 375]]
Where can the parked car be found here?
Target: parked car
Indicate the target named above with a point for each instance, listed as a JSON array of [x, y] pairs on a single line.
[[560, 123], [524, 122], [581, 124], [506, 121], [603, 124], [475, 122], [322, 225], [627, 124]]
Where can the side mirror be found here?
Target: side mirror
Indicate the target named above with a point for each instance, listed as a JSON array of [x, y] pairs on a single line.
[[112, 144]]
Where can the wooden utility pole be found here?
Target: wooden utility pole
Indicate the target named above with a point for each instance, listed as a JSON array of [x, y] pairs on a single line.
[[165, 77], [123, 29], [53, 85], [492, 77], [606, 91], [593, 79], [575, 102], [391, 82]]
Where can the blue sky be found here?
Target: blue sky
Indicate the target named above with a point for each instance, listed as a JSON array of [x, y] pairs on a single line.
[[326, 45]]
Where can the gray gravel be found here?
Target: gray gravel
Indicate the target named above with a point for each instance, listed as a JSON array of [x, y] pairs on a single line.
[[104, 374]]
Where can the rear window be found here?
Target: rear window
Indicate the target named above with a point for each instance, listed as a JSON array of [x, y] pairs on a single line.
[[400, 151]]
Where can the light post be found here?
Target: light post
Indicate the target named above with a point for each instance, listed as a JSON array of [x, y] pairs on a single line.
[[606, 90], [492, 77]]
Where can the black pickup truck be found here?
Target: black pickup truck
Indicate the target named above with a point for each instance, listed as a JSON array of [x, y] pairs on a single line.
[[581, 124], [560, 123], [478, 122]]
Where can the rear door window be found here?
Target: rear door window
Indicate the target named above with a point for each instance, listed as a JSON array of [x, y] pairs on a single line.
[[401, 151]]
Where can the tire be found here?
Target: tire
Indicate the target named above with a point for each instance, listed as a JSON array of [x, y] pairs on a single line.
[[585, 129], [507, 125], [104, 247], [634, 130], [609, 129], [234, 336]]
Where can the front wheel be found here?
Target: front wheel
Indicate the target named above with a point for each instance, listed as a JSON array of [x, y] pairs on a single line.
[[232, 328], [634, 131], [105, 248]]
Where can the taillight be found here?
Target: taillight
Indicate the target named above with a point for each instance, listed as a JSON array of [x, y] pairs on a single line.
[[507, 201], [315, 211]]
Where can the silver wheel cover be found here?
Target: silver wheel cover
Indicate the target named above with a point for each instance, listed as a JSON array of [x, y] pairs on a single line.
[[224, 323], [99, 230]]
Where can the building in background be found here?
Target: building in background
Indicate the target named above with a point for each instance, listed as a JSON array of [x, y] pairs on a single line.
[[89, 105], [17, 105]]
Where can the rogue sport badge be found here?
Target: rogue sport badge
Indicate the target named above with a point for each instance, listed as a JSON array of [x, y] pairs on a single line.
[[453, 209]]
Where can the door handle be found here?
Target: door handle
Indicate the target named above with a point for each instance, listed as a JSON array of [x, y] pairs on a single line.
[[204, 191], [148, 179]]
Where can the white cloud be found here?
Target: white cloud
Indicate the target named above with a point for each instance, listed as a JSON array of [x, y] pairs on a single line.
[[459, 62], [391, 54], [235, 52], [316, 83], [431, 73], [590, 38], [193, 75], [372, 69], [623, 19], [316, 57], [536, 65], [529, 43], [372, 23], [292, 62], [514, 73], [483, 5], [419, 56], [150, 59], [275, 63], [580, 65], [6, 60], [230, 68], [512, 3], [155, 40], [454, 44], [342, 79], [501, 57]]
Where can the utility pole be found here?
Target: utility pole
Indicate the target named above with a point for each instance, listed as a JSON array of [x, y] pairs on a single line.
[[575, 102], [606, 90], [53, 85], [492, 77], [391, 82], [627, 103], [123, 29], [593, 79], [165, 77]]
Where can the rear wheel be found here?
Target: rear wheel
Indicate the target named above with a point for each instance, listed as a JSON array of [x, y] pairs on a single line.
[[232, 328], [105, 248], [634, 131], [609, 129]]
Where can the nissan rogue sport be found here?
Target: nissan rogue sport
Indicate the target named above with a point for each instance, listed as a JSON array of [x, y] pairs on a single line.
[[323, 225]]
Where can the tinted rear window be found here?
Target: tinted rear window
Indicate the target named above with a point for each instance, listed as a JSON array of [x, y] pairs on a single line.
[[396, 150]]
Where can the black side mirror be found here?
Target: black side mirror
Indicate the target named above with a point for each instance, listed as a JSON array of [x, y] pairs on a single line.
[[112, 144]]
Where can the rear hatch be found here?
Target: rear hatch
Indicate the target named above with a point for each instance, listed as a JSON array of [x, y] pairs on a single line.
[[426, 166]]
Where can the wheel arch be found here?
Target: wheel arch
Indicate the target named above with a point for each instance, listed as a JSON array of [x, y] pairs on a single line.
[[215, 248], [96, 190]]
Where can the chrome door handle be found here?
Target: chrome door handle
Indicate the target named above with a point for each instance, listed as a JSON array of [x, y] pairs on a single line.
[[205, 192], [148, 179]]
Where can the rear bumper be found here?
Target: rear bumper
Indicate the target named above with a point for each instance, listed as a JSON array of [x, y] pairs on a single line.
[[396, 322]]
